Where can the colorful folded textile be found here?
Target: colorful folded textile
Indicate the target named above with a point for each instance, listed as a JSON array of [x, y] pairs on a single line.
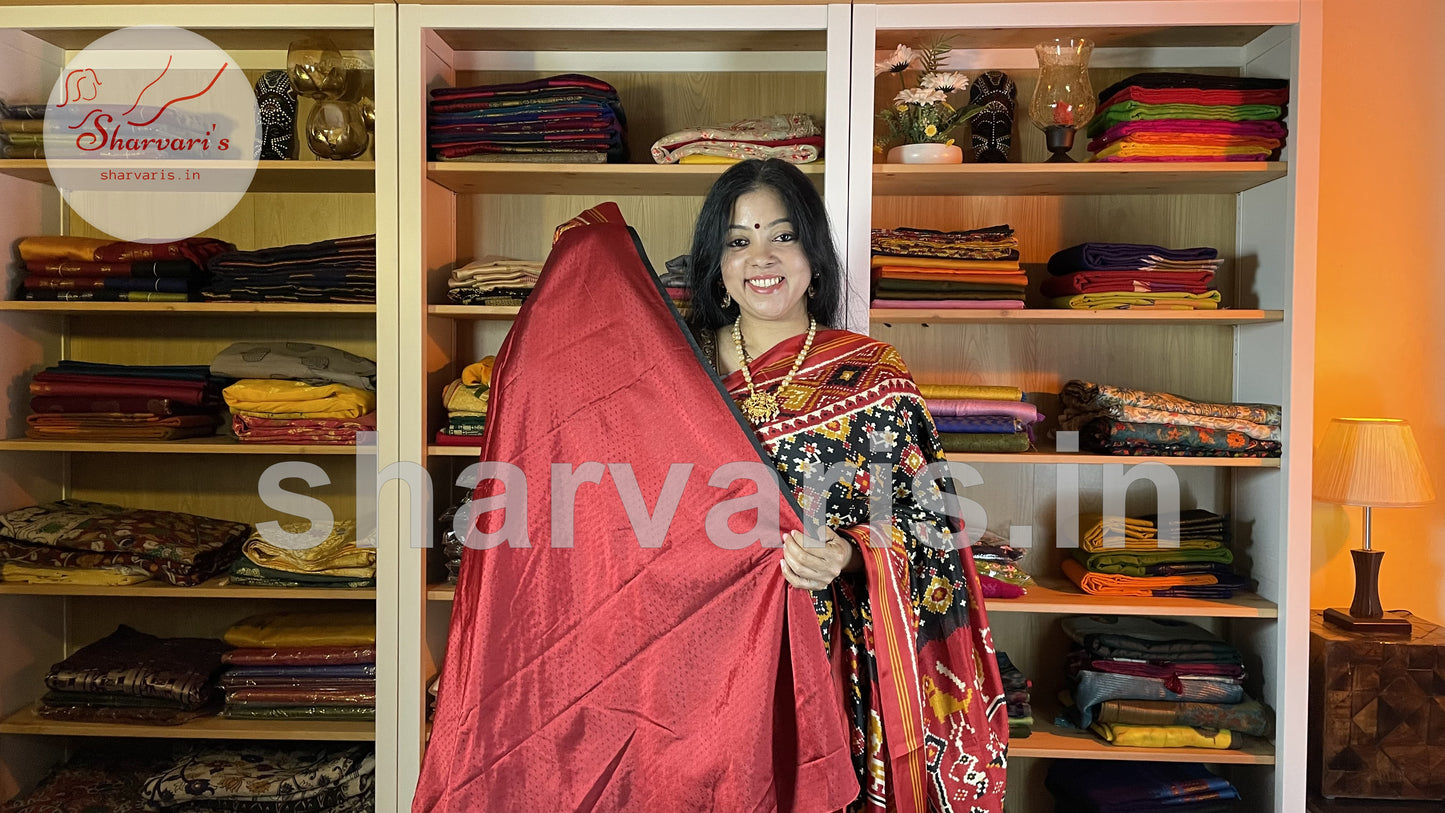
[[991, 243], [1195, 529], [1270, 130], [568, 113], [985, 392], [1136, 111], [1148, 639], [1022, 411], [1098, 399], [101, 296], [337, 553], [22, 573], [316, 364], [1198, 95], [300, 655], [881, 259], [1206, 81], [1105, 584], [244, 571], [310, 431], [255, 772], [51, 248], [1246, 717], [1108, 786], [339, 270], [1174, 736], [281, 629], [266, 398], [1131, 149], [103, 778], [265, 712], [979, 424], [1088, 282], [1094, 688], [1122, 437], [183, 549], [132, 663], [794, 138], [81, 426], [1150, 301], [966, 443], [966, 304], [1098, 256]]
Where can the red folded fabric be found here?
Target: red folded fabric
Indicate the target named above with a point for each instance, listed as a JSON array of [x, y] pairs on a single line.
[[608, 675], [1095, 282]]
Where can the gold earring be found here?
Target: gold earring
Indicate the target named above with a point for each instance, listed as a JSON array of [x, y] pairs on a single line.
[[727, 300], [812, 291]]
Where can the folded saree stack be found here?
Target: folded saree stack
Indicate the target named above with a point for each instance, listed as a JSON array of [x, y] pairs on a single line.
[[266, 778], [131, 677], [80, 400], [22, 130], [1189, 117], [465, 400], [980, 418], [1158, 683], [792, 137], [674, 283], [997, 563], [568, 118], [1107, 786], [493, 281], [88, 269], [1126, 556], [1016, 694], [452, 544], [1108, 276], [307, 558], [295, 392], [340, 270], [314, 666], [81, 542], [923, 268], [1117, 420]]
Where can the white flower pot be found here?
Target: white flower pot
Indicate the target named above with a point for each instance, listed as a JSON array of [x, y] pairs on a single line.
[[926, 154]]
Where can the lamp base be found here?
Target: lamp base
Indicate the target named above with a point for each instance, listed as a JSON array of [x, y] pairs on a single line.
[[1380, 625], [1059, 140]]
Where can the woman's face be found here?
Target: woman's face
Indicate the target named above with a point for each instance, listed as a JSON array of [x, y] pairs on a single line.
[[764, 268]]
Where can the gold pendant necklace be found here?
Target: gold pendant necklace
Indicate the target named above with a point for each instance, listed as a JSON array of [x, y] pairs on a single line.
[[761, 407]]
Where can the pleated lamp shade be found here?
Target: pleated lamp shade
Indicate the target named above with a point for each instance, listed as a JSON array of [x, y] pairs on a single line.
[[1371, 461]]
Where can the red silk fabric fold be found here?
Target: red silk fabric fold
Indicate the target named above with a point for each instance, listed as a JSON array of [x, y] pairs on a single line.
[[612, 676]]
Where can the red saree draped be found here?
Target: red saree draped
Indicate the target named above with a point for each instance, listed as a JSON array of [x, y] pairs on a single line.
[[926, 707], [612, 676]]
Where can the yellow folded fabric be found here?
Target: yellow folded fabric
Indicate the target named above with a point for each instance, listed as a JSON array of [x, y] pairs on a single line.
[[47, 247], [480, 373], [336, 555], [880, 260], [707, 159], [1111, 584], [21, 573], [933, 392], [1120, 300], [1128, 150], [1165, 736], [1138, 534], [282, 398], [462, 399], [276, 630]]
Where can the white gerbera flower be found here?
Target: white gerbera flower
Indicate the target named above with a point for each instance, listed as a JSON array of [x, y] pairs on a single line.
[[948, 82], [922, 96], [901, 60]]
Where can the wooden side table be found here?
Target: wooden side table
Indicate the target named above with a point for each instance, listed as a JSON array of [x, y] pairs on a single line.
[[1377, 712]]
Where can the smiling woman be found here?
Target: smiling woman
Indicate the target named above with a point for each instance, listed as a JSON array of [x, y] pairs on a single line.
[[845, 425]]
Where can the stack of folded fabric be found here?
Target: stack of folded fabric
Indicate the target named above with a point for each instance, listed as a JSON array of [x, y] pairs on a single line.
[[998, 570], [336, 559], [341, 270], [452, 545], [793, 137], [465, 400], [88, 269], [262, 778], [84, 542], [1116, 420], [1107, 276], [1189, 117], [1106, 786], [493, 281], [302, 665], [295, 392], [921, 268], [131, 677], [22, 130], [1016, 695], [79, 400], [569, 118], [105, 777], [1158, 683], [674, 283], [978, 418], [1125, 556]]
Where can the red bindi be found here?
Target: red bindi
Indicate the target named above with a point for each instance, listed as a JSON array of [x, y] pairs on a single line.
[[757, 225]]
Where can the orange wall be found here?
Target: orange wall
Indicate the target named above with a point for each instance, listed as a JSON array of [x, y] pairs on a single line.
[[1381, 305]]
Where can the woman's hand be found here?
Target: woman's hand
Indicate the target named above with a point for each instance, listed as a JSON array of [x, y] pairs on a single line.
[[810, 564]]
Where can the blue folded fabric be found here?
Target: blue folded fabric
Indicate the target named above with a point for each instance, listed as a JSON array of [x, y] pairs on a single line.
[[1120, 256], [1096, 786], [979, 424]]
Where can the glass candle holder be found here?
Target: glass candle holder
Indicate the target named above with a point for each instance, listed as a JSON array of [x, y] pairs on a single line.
[[1063, 100], [336, 130], [319, 71]]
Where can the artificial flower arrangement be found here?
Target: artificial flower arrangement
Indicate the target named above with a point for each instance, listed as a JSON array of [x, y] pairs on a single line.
[[923, 114]]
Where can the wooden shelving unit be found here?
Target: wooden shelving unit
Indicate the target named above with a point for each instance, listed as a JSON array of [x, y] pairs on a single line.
[[582, 179], [1204, 178], [1050, 741], [26, 721]]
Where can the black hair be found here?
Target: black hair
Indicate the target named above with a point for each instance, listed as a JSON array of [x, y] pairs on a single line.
[[805, 211]]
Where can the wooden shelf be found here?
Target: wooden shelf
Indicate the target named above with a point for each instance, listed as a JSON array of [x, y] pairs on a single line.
[[454, 451], [1070, 317], [1144, 36], [217, 587], [271, 176], [474, 312], [1049, 596], [207, 445], [194, 308], [26, 721], [1048, 456], [1219, 178], [1050, 741], [584, 179], [593, 39]]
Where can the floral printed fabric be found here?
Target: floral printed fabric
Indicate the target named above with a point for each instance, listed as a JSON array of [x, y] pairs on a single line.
[[104, 780], [1099, 400], [183, 549], [257, 773]]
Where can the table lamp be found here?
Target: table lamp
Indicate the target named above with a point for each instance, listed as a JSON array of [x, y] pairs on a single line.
[[1374, 463]]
